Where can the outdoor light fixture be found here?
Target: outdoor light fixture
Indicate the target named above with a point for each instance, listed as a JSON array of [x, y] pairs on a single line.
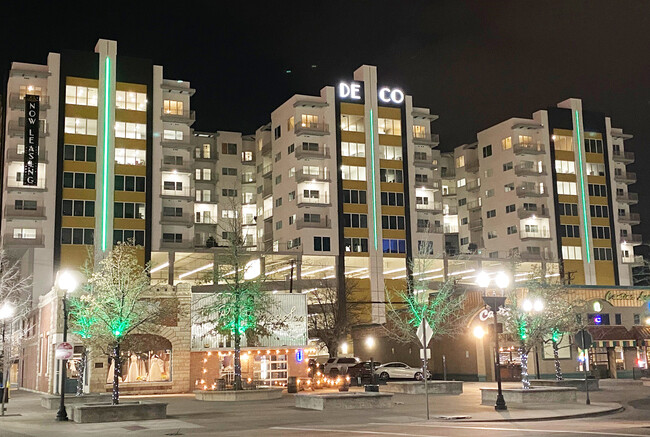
[[502, 280], [483, 279], [598, 307], [538, 305], [344, 348], [66, 281], [370, 342], [479, 332], [527, 305]]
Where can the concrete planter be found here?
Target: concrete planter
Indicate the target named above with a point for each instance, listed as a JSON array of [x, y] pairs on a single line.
[[579, 384], [535, 395], [417, 387], [52, 402], [260, 394], [127, 411], [344, 401]]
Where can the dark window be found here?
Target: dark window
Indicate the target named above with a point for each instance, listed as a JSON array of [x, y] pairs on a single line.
[[487, 151], [89, 208], [79, 180], [68, 152], [89, 236], [67, 208], [139, 184], [90, 181], [66, 236], [129, 183], [78, 208], [90, 153], [77, 236], [68, 180], [119, 210], [79, 153], [618, 320], [119, 183]]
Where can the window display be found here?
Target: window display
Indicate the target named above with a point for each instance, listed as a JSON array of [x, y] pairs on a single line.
[[145, 358]]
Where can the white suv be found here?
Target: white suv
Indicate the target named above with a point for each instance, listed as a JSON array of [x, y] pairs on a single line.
[[339, 365]]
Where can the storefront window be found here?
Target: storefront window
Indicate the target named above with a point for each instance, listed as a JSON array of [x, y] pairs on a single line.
[[145, 358]]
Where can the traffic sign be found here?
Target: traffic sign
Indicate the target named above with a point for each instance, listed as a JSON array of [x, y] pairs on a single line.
[[64, 351], [421, 333], [428, 354], [583, 337]]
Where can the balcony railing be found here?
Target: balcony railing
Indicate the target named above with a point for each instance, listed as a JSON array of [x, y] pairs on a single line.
[[629, 177], [248, 179], [624, 157], [431, 229], [15, 102], [476, 224], [450, 210], [201, 220], [429, 184], [528, 148], [473, 185], [323, 152], [632, 218], [472, 165], [169, 244], [523, 213], [267, 170], [630, 198], [307, 128], [184, 219], [473, 205], [636, 260], [530, 170], [528, 191], [184, 192], [543, 233], [180, 168], [531, 256], [322, 199], [176, 144], [14, 185], [426, 162], [447, 173], [16, 128], [435, 207], [632, 239], [450, 191], [322, 176], [29, 214], [13, 155], [324, 223], [9, 241], [187, 116]]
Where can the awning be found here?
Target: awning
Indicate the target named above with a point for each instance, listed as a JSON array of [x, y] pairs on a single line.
[[612, 336], [642, 335]]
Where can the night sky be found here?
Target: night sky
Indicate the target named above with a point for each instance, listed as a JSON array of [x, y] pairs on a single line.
[[473, 63]]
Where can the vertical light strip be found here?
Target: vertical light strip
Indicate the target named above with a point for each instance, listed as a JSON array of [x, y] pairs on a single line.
[[107, 84], [372, 177], [585, 223]]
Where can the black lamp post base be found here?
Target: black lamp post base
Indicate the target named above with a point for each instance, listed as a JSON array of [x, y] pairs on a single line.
[[62, 415], [500, 404]]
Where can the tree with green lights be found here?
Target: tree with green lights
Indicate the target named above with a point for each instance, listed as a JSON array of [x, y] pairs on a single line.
[[115, 303]]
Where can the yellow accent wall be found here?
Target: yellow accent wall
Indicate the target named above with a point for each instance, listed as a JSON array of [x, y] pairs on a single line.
[[355, 232], [605, 273], [130, 196], [352, 108], [390, 140], [353, 160], [81, 111], [80, 166], [130, 143], [126, 223], [131, 116], [355, 208], [356, 185], [131, 170], [388, 163], [576, 266], [79, 194], [75, 255], [77, 222], [386, 112], [126, 86], [82, 140], [393, 233], [354, 137]]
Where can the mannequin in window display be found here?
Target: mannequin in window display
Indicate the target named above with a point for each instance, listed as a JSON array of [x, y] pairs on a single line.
[[156, 369], [133, 373]]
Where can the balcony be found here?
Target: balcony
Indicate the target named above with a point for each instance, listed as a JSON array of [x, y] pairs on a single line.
[[531, 256], [324, 223], [322, 176], [9, 241], [541, 234], [530, 169], [450, 210], [214, 198], [447, 173], [476, 224], [307, 128], [178, 245], [629, 177], [431, 207], [528, 148], [629, 198], [322, 200], [184, 219], [623, 157], [13, 155], [187, 116], [426, 140], [16, 128], [429, 184], [267, 170], [473, 186], [25, 214], [323, 152], [18, 186], [205, 221], [184, 193], [248, 162], [176, 144], [431, 229], [527, 191], [185, 167], [474, 205], [214, 177], [632, 239], [248, 179], [472, 165], [636, 260], [426, 162], [632, 218], [214, 156], [15, 102], [450, 191], [523, 213]]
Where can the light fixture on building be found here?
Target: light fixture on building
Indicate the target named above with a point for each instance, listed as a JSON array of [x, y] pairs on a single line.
[[479, 332]]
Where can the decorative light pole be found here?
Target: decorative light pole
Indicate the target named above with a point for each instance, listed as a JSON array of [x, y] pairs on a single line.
[[529, 307], [6, 312], [495, 302], [370, 345], [67, 282]]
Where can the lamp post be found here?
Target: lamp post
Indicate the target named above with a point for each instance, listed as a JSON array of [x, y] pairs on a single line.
[[6, 312], [530, 307], [67, 282], [370, 345], [494, 302]]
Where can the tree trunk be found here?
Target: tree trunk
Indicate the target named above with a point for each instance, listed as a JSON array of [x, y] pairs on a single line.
[[117, 373], [82, 373], [333, 348], [525, 381], [237, 384], [556, 357]]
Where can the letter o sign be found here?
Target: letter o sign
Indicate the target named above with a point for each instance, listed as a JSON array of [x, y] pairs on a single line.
[[388, 95]]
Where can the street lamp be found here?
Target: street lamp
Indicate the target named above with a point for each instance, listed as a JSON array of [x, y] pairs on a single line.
[[530, 306], [370, 345], [501, 280], [67, 282], [6, 312]]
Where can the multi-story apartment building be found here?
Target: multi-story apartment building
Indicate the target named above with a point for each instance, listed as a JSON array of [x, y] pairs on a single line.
[[553, 187]]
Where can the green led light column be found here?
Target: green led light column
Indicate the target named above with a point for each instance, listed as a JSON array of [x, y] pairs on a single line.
[[105, 181], [585, 222], [372, 177]]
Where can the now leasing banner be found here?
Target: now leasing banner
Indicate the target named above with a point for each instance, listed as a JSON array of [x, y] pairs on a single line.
[[30, 172]]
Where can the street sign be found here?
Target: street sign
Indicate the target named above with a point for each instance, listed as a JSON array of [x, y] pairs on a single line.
[[421, 333], [428, 354], [64, 351], [583, 337]]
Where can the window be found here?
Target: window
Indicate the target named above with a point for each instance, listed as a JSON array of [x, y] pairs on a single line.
[[597, 190], [570, 231], [419, 131], [278, 202], [31, 90], [311, 218], [133, 210], [354, 196], [25, 205], [247, 156], [618, 319], [389, 175], [566, 188], [352, 123], [173, 107], [487, 151], [292, 196], [510, 208], [137, 237], [509, 187], [489, 193], [169, 211], [79, 153], [390, 245], [602, 232], [229, 148], [277, 132], [421, 200], [278, 179], [571, 252], [80, 126], [389, 126], [292, 219], [290, 123], [488, 173], [131, 100], [461, 182], [322, 244], [464, 221], [355, 220], [506, 143], [290, 149], [423, 178], [391, 152], [308, 120], [593, 145], [464, 241], [491, 235], [511, 230], [561, 142], [173, 135], [310, 147], [425, 247], [602, 254], [293, 243], [570, 209], [392, 199], [594, 169], [356, 244], [392, 222], [278, 225], [353, 173], [278, 156], [460, 161], [637, 319], [78, 208], [462, 202], [228, 192], [136, 131], [311, 194], [80, 95], [77, 236], [492, 213], [507, 166], [600, 210], [79, 180], [229, 171], [137, 183], [565, 167], [129, 156]]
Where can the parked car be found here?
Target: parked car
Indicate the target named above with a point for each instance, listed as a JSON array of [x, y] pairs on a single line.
[[398, 370], [361, 370], [339, 365]]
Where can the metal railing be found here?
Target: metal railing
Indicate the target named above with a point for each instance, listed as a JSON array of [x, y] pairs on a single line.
[[472, 165], [323, 223], [183, 244], [632, 217], [629, 177], [540, 233], [183, 219], [184, 192], [528, 191], [13, 155], [185, 115], [308, 128], [632, 238], [476, 224], [322, 175], [322, 199], [528, 148], [16, 128], [38, 213], [16, 102], [10, 240], [474, 204], [523, 213], [431, 206], [627, 198], [619, 156], [473, 185], [529, 169], [322, 152]]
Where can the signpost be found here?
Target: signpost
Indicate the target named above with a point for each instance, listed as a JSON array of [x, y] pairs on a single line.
[[64, 351], [425, 333], [583, 341]]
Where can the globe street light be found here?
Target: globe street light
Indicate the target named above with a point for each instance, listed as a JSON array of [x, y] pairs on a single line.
[[6, 312], [66, 281]]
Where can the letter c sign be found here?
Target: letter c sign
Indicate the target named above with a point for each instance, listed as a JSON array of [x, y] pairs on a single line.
[[388, 95]]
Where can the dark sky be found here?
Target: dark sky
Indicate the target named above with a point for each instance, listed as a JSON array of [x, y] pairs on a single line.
[[473, 63]]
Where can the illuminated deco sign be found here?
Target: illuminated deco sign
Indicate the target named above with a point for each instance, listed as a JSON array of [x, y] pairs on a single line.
[[30, 172], [354, 92]]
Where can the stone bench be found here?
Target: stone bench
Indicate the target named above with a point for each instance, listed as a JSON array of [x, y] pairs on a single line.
[[417, 387], [577, 383], [535, 395], [344, 401], [260, 394], [52, 402], [125, 411]]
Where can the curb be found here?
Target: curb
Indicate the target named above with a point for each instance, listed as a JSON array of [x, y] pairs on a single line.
[[540, 419]]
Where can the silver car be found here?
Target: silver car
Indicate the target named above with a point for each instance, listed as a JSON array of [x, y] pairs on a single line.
[[397, 370]]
